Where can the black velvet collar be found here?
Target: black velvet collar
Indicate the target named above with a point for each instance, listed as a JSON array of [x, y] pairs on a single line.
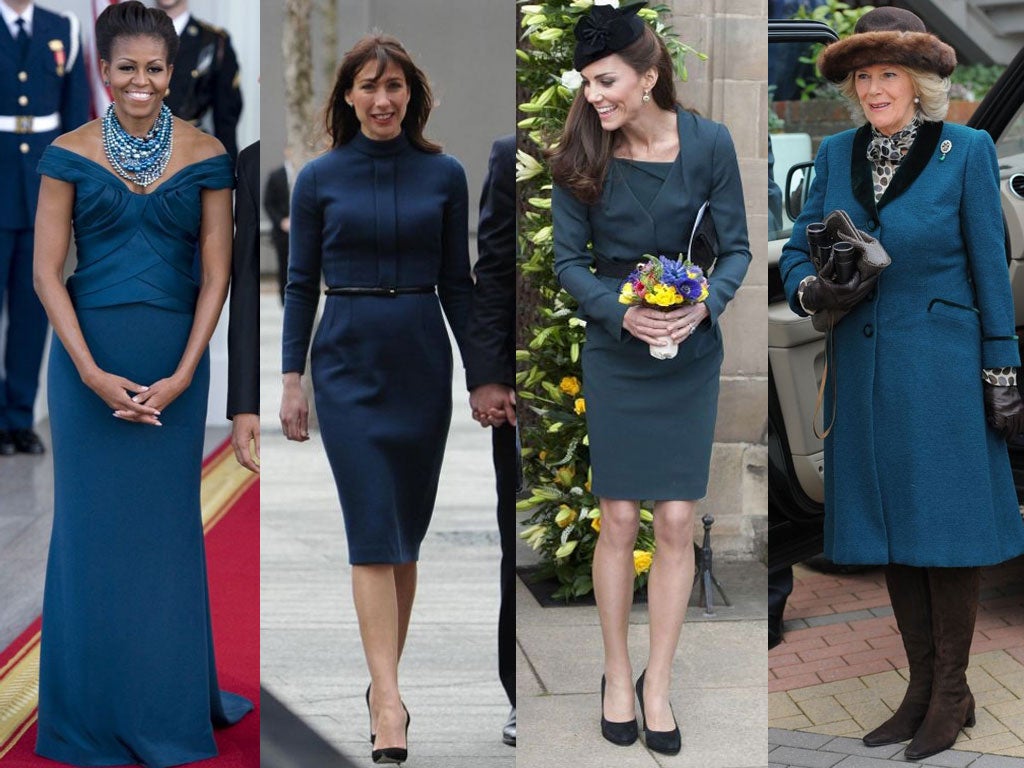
[[913, 165]]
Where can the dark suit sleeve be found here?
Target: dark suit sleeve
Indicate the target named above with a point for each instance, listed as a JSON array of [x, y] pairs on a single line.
[[244, 323], [275, 196], [74, 102], [490, 348], [227, 101]]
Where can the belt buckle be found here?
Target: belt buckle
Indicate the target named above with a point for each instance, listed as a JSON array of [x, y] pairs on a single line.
[[23, 123]]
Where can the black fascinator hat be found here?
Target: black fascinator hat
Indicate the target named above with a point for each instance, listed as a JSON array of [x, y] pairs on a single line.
[[604, 30]]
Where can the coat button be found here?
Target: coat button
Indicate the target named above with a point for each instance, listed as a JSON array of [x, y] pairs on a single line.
[[23, 101], [872, 225], [23, 148], [869, 330], [23, 76]]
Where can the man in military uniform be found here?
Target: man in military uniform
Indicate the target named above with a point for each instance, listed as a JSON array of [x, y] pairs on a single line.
[[43, 93], [205, 77]]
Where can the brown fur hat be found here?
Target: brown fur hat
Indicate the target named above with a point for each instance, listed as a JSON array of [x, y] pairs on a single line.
[[887, 36]]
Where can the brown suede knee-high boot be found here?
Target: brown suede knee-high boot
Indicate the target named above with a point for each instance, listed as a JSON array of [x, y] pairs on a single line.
[[954, 593], [911, 604]]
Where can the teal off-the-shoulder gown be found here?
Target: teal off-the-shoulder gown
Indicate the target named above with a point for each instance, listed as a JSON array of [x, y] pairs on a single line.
[[127, 671]]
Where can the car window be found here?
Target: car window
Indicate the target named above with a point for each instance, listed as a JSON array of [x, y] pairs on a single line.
[[1010, 146], [804, 111]]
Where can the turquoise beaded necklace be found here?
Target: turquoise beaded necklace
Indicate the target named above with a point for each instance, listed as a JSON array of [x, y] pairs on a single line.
[[139, 160]]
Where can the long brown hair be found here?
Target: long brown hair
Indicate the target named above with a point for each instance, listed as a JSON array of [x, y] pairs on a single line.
[[580, 161], [341, 120]]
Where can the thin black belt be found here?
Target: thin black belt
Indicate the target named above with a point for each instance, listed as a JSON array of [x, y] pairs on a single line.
[[617, 269], [378, 290]]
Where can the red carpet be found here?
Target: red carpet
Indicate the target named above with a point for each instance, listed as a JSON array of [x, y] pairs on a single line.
[[231, 506]]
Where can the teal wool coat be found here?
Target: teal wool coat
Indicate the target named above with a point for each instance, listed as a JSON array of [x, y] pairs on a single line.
[[651, 422], [913, 473]]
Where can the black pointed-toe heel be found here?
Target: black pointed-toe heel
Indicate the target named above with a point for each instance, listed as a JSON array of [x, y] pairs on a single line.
[[373, 736], [665, 742], [395, 754], [623, 733]]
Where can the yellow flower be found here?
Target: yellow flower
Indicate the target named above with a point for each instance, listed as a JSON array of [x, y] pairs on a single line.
[[663, 296], [703, 293], [641, 561], [595, 522], [565, 516], [564, 475], [580, 406], [627, 295], [646, 516], [543, 455], [570, 385]]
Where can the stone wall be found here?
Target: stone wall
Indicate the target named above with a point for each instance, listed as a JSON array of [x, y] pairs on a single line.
[[731, 88]]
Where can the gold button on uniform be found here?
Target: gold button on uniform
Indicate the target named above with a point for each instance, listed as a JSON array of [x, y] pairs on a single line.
[[23, 76], [23, 100], [24, 148]]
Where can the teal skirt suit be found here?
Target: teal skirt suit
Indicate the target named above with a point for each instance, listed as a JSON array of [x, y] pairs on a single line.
[[651, 422], [913, 473]]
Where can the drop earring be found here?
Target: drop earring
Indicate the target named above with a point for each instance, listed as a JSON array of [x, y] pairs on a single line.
[[646, 97]]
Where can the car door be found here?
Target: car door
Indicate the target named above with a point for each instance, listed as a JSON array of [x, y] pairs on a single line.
[[795, 349]]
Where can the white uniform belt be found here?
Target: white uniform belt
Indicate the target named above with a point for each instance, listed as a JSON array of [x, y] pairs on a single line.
[[29, 123]]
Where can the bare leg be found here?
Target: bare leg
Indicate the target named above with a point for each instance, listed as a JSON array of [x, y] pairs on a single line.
[[405, 589], [668, 592], [613, 589], [376, 600]]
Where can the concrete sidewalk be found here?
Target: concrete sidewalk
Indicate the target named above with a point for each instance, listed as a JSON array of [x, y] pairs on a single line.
[[719, 695], [311, 656]]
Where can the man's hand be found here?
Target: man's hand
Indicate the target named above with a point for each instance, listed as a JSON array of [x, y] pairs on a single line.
[[245, 439], [493, 405]]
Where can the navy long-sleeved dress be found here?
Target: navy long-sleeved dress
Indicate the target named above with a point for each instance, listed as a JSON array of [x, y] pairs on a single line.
[[652, 422], [380, 214]]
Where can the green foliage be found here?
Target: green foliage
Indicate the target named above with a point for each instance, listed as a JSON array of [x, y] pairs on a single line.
[[842, 18], [972, 81], [556, 458]]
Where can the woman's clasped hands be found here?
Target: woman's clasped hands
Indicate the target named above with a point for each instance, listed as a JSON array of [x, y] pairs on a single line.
[[654, 325], [131, 401]]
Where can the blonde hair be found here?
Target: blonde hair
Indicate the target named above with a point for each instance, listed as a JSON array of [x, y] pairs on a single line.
[[930, 88]]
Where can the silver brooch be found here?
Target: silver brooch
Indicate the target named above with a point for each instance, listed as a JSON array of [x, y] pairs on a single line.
[[944, 148]]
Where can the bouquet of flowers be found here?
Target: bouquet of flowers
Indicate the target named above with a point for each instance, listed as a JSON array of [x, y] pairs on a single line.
[[663, 283]]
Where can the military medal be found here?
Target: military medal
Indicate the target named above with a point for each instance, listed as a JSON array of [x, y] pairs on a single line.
[[944, 148], [57, 46]]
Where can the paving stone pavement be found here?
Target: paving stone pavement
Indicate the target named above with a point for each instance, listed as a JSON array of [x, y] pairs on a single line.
[[311, 656], [800, 749], [839, 674]]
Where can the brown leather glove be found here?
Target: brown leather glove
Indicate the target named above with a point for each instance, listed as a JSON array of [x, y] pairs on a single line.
[[823, 294], [1004, 410]]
